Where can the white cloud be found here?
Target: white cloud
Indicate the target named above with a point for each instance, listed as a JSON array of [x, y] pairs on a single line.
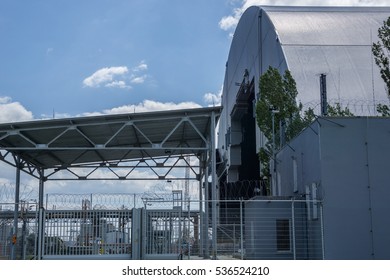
[[117, 77], [138, 80], [5, 99], [105, 76], [117, 84], [144, 106], [229, 22], [142, 66], [213, 99], [150, 105], [13, 111]]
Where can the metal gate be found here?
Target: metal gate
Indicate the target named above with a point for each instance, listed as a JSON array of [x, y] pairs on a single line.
[[114, 234], [86, 234], [164, 231]]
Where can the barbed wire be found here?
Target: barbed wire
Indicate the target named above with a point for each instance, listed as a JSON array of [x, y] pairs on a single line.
[[89, 201], [7, 193], [359, 107]]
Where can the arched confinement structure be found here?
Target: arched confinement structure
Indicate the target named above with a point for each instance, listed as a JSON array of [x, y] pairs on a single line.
[[308, 41], [77, 148]]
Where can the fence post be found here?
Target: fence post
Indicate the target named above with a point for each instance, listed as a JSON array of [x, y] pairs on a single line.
[[40, 236], [241, 230], [322, 231], [14, 242], [144, 231], [293, 228], [189, 226]]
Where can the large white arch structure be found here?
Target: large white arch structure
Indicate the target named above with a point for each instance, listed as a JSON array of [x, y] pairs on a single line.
[[308, 41]]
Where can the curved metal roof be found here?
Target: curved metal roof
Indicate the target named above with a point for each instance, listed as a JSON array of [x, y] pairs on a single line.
[[334, 41], [308, 41]]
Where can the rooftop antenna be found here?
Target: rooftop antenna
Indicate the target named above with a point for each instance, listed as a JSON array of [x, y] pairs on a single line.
[[324, 102]]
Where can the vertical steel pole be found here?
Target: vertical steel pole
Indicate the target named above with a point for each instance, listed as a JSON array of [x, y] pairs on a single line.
[[213, 185], [324, 101], [201, 214], [241, 230], [16, 210], [144, 231], [188, 231], [293, 228], [41, 229], [322, 231], [206, 214]]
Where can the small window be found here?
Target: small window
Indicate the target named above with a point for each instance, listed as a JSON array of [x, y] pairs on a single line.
[[283, 235]]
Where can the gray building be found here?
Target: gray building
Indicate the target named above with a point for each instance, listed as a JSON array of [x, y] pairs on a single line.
[[342, 163], [330, 185]]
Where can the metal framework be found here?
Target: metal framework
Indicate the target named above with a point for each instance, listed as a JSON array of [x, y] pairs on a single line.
[[113, 147]]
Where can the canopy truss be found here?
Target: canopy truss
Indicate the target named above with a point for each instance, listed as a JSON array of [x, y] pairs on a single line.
[[114, 147], [111, 147]]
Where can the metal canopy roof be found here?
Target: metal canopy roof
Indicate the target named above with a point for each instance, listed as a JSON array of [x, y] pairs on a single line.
[[106, 140]]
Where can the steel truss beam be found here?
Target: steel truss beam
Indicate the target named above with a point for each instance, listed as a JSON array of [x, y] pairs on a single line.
[[109, 149]]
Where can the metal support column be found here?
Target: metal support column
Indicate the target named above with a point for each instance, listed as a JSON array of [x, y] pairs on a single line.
[[201, 214], [241, 230], [41, 220], [293, 228], [206, 222], [16, 210], [322, 231], [213, 185]]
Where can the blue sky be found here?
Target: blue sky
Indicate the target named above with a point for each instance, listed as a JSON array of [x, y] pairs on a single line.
[[76, 58], [165, 51]]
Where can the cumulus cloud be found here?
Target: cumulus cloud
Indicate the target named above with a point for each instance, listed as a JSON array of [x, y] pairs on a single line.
[[138, 80], [13, 111], [230, 22], [144, 106], [105, 76], [213, 99], [117, 77], [5, 99], [117, 84], [151, 105], [142, 66]]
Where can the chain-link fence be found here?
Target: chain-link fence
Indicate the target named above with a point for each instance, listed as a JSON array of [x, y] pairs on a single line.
[[19, 244], [169, 227]]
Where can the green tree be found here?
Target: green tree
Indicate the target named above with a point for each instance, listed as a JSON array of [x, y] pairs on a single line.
[[337, 111], [383, 109], [381, 50], [277, 110], [277, 93]]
